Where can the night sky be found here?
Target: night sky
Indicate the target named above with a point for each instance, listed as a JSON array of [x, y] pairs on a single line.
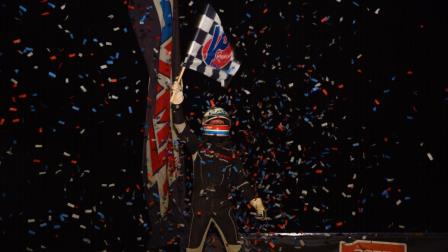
[[340, 114]]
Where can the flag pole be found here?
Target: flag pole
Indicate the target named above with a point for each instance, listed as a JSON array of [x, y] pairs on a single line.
[[179, 77]]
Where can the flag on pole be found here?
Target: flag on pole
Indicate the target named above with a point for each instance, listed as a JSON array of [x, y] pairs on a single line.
[[155, 25], [210, 52]]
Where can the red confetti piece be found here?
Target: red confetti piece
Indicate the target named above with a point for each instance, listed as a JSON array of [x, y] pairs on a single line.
[[280, 127]]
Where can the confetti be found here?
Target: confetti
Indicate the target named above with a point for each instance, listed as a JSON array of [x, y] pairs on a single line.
[[325, 110]]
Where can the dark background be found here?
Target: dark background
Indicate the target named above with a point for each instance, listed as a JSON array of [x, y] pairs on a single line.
[[365, 98]]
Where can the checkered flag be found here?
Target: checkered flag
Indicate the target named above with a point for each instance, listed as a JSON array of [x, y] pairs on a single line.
[[210, 51]]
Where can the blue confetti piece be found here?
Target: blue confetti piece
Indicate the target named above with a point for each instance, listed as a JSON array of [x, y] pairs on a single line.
[[22, 8], [62, 217], [143, 18], [52, 75], [27, 49], [100, 214]]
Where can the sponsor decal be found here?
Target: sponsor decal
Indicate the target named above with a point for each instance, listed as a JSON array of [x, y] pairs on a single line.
[[217, 51]]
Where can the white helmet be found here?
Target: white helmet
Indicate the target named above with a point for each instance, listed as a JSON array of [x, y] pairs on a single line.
[[216, 122]]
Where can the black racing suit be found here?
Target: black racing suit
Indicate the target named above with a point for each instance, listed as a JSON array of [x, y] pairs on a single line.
[[216, 171]]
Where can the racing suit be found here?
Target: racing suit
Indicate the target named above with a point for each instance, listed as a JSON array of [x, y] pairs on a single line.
[[216, 171]]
